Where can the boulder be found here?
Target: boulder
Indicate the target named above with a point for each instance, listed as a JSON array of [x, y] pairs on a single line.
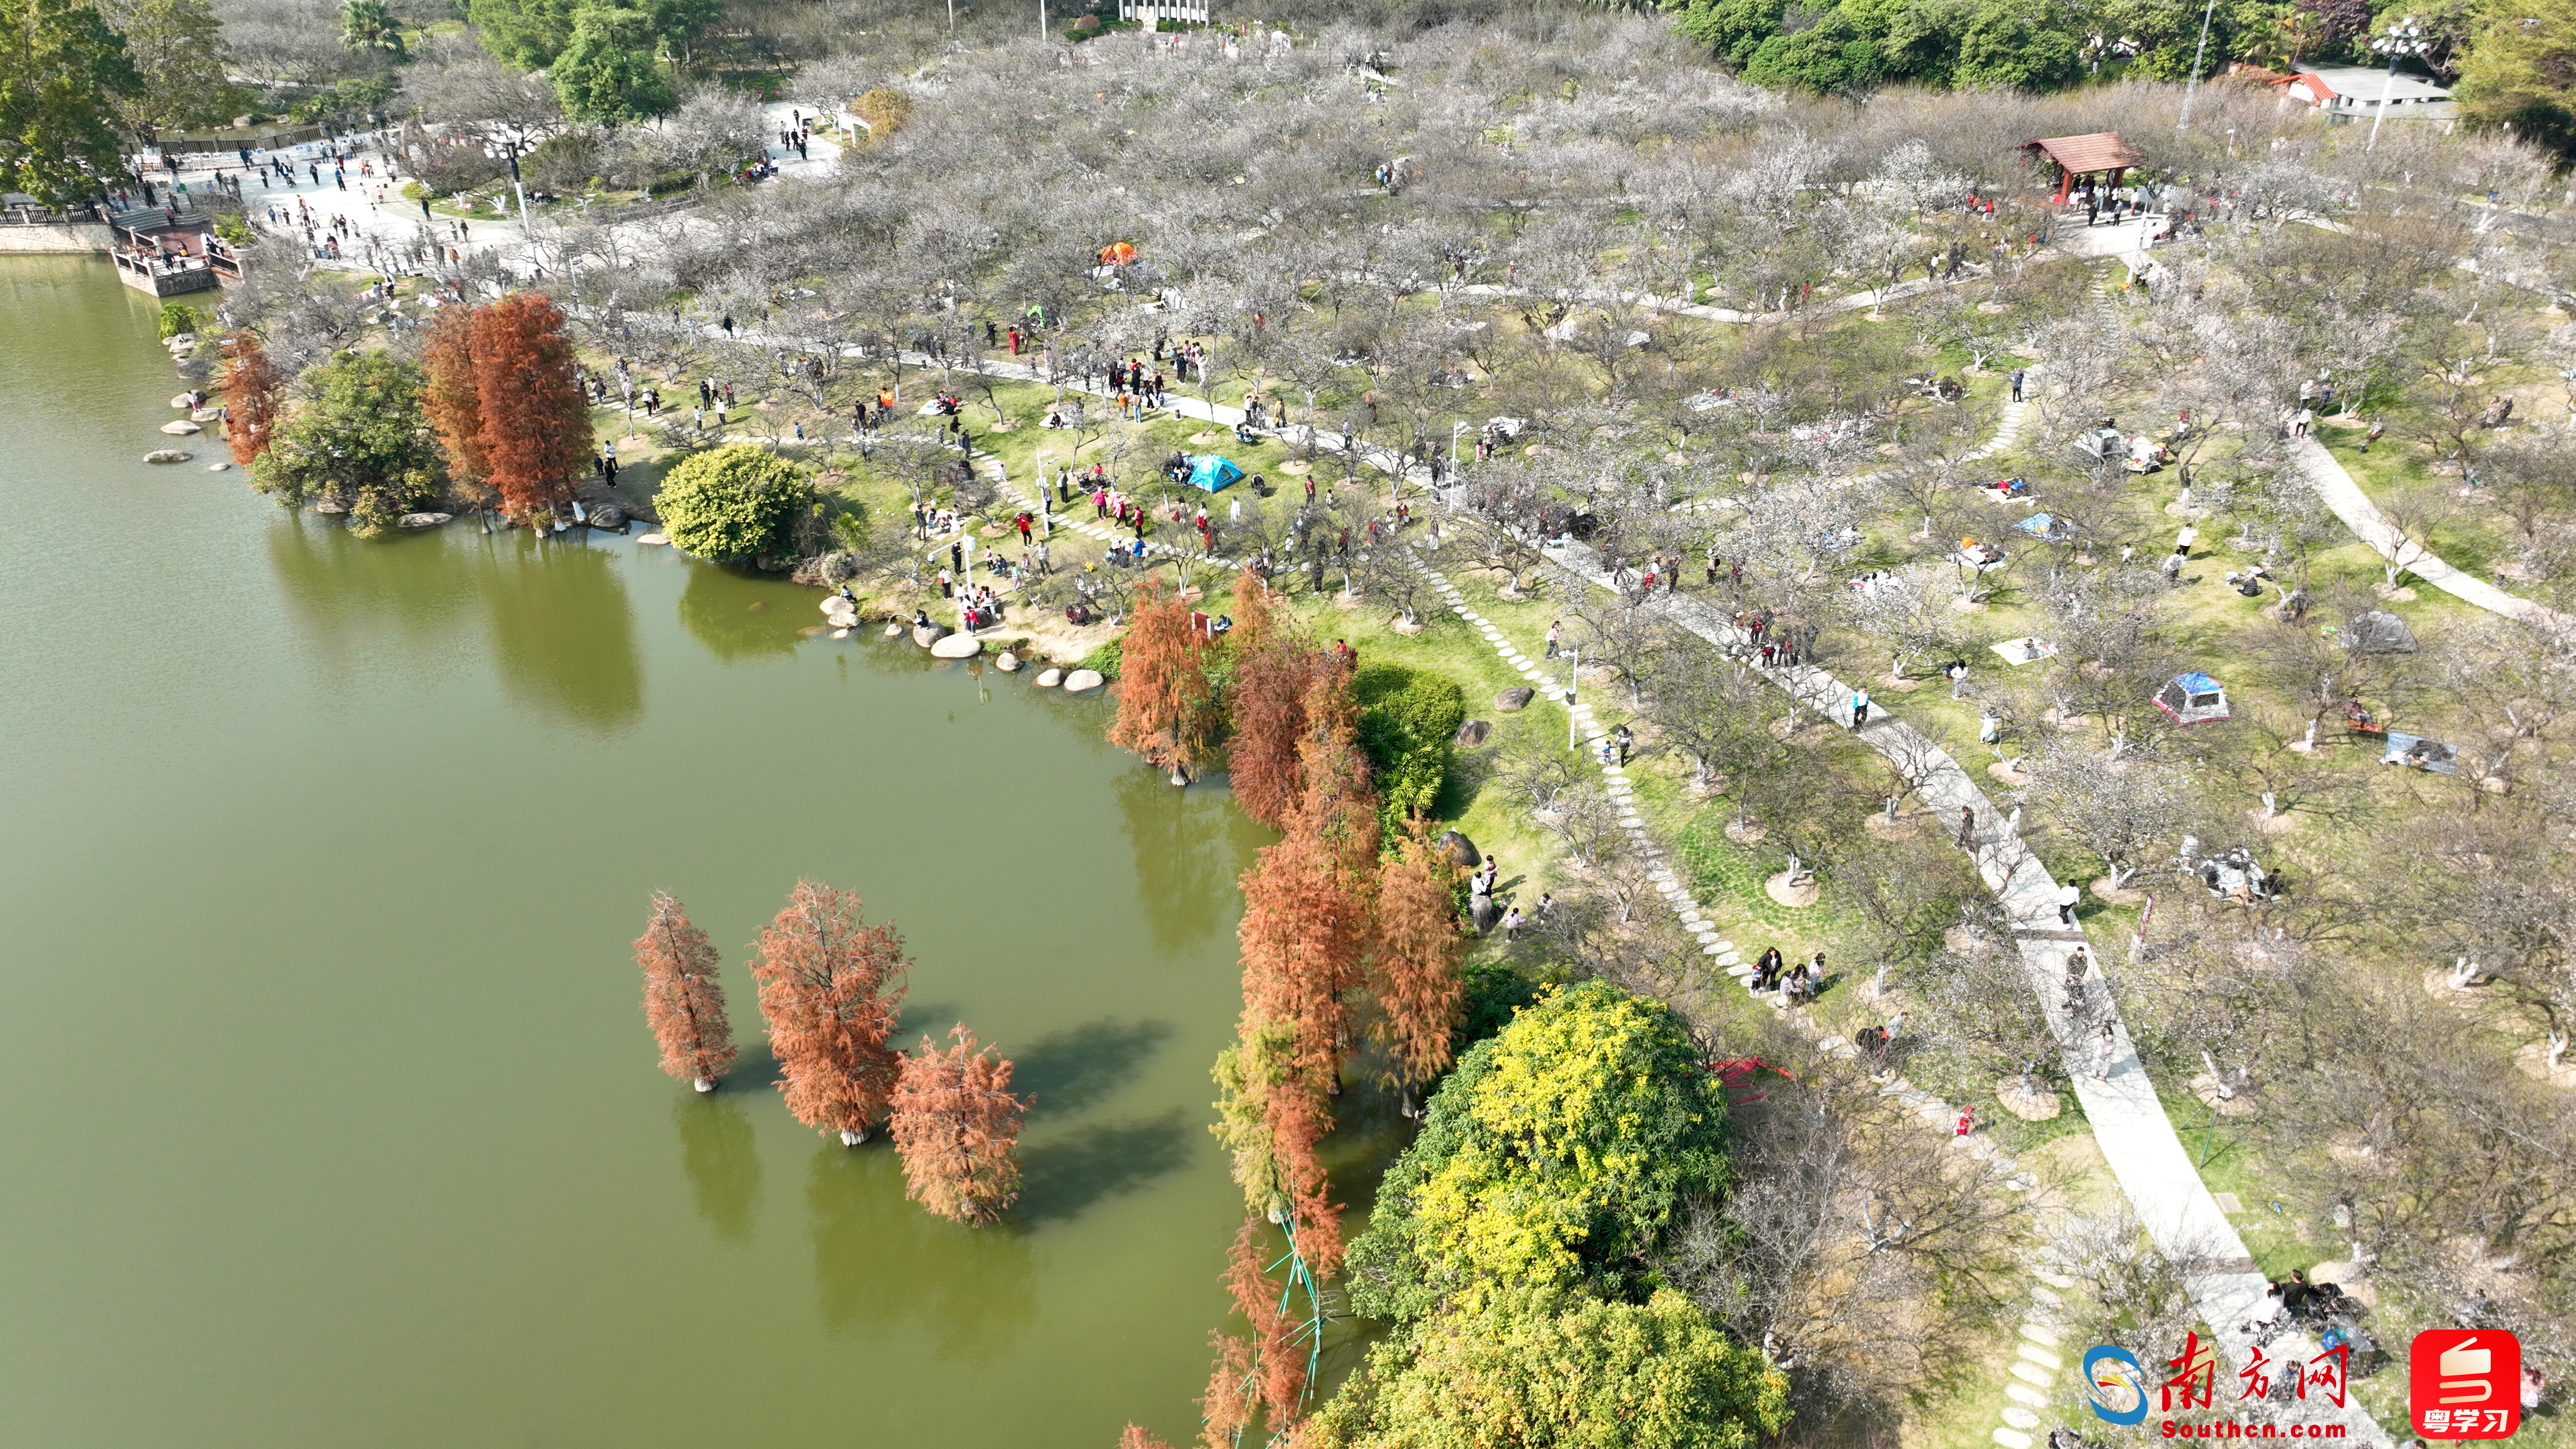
[[1083, 681], [205, 415], [331, 506], [1458, 850], [957, 646], [424, 520], [893, 630], [1472, 734], [651, 538], [1483, 913], [1050, 678], [219, 467], [2378, 632], [609, 516], [167, 455], [929, 634], [1007, 662], [184, 401], [1515, 699], [179, 429]]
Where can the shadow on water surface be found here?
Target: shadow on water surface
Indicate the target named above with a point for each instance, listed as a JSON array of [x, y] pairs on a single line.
[[1079, 1067], [1184, 877], [561, 631], [1065, 1175], [721, 1155], [739, 617], [882, 1263]]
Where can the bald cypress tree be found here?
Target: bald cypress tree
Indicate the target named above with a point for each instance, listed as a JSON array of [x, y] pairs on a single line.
[[683, 997]]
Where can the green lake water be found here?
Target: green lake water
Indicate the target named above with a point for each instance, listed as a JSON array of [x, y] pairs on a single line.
[[332, 1119]]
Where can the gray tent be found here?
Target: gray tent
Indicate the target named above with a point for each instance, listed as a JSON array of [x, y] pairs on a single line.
[[2378, 632]]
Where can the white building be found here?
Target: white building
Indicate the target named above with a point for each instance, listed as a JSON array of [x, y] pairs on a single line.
[[2356, 92]]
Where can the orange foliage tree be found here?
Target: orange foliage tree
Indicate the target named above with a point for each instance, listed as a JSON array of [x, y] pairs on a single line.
[[1136, 1437], [1266, 704], [454, 400], [1304, 939], [1167, 708], [1337, 804], [535, 424], [251, 386], [957, 1125], [683, 996], [831, 987], [1416, 947]]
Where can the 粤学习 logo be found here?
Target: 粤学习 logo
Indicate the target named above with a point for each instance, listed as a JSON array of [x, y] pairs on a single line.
[[2465, 1383]]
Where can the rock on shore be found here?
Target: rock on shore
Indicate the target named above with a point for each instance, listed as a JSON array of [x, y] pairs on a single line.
[[167, 455], [1083, 681]]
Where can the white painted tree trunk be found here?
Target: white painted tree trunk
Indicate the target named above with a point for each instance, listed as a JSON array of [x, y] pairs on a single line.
[[852, 1139], [704, 1084]]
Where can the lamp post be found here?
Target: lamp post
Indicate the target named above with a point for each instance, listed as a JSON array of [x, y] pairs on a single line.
[[1454, 430], [2402, 39], [2184, 122], [1573, 677]]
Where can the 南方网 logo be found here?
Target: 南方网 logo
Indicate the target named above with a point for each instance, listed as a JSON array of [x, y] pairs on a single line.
[[2119, 1384]]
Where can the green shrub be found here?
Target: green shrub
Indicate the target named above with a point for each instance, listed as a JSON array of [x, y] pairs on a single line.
[[733, 504], [1105, 659], [178, 317], [1408, 721]]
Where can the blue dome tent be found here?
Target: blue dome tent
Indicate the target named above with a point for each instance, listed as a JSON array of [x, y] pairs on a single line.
[[1212, 473]]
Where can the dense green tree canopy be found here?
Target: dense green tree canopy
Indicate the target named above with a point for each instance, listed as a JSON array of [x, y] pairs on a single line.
[[733, 504], [179, 52], [62, 70], [1525, 1373], [363, 441], [369, 25], [609, 75], [531, 33], [2523, 71], [1554, 1155]]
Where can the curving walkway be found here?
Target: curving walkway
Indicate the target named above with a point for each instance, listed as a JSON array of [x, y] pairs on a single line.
[[2127, 1116], [2326, 474]]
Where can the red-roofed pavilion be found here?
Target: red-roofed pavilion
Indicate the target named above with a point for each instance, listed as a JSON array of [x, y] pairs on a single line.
[[2078, 156]]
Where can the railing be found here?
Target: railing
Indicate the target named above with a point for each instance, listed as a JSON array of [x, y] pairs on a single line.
[[43, 216]]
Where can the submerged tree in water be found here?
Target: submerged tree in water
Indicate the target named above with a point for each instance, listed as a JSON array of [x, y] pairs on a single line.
[[683, 996], [958, 1127], [1414, 964], [1167, 707], [831, 987], [536, 436]]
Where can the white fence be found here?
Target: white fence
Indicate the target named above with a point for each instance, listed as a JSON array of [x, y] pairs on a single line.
[[1146, 12]]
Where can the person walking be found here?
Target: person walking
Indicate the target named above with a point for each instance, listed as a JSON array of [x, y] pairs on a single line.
[[1967, 827], [1626, 739], [2107, 1049], [1553, 630], [2067, 896], [1859, 709], [2017, 375], [1512, 924]]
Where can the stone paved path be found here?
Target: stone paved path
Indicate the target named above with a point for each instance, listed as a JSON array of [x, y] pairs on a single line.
[[2327, 475]]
